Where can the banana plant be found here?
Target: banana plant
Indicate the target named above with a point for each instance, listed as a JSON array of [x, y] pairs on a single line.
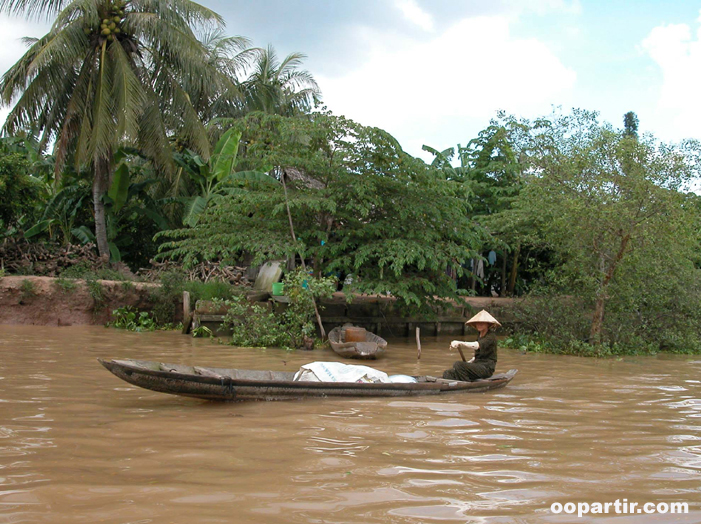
[[217, 178], [63, 209], [124, 201]]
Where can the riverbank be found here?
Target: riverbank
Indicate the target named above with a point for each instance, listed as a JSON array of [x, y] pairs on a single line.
[[47, 301]]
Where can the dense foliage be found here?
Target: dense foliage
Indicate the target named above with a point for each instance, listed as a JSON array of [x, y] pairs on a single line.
[[18, 193], [360, 205], [612, 209], [142, 128], [255, 325]]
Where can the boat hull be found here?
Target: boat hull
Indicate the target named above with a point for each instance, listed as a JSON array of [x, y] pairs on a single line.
[[234, 385]]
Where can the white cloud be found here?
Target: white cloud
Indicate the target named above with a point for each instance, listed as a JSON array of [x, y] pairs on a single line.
[[413, 12], [423, 90], [516, 8], [12, 30], [545, 6], [677, 52]]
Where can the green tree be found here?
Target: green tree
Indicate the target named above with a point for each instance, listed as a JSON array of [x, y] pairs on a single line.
[[19, 192], [630, 124], [279, 87], [231, 56], [614, 210], [360, 205], [103, 76], [490, 167]]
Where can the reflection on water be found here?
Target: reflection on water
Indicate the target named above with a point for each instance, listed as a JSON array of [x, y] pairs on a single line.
[[79, 446]]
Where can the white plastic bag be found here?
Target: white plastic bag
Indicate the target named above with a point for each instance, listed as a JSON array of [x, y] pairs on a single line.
[[402, 379], [339, 372]]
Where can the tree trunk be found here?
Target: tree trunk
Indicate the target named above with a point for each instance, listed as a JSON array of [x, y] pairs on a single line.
[[597, 321], [502, 289], [514, 271], [99, 188], [473, 281]]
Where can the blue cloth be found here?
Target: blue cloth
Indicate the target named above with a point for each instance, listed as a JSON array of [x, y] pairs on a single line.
[[492, 257]]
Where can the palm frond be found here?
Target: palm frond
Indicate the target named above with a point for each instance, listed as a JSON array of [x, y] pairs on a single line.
[[32, 8]]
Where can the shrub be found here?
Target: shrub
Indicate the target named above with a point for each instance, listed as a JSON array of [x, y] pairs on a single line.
[[96, 292], [27, 289], [132, 320], [254, 325], [173, 283], [165, 297], [211, 290]]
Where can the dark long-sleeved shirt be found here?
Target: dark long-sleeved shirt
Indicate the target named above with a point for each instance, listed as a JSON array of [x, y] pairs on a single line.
[[487, 352]]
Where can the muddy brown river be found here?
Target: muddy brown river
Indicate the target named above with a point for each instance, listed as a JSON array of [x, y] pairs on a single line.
[[77, 445]]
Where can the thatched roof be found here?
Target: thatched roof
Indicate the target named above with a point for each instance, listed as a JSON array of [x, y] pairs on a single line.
[[294, 174]]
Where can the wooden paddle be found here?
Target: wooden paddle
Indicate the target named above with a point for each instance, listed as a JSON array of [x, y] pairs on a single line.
[[461, 354]]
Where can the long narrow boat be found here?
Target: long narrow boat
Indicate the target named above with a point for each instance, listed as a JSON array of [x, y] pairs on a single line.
[[373, 347], [242, 384]]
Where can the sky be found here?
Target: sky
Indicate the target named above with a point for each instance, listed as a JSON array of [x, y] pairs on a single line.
[[436, 71]]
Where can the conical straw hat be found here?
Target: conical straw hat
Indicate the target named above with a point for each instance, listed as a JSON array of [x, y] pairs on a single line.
[[485, 317]]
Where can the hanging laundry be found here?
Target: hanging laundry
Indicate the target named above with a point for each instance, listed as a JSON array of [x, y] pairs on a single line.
[[480, 269], [492, 257]]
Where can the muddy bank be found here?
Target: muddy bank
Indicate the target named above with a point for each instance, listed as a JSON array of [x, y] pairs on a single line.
[[47, 301]]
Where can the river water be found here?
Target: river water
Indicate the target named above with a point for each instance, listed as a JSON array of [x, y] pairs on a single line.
[[77, 445]]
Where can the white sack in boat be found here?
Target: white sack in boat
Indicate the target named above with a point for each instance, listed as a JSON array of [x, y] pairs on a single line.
[[402, 379], [339, 372]]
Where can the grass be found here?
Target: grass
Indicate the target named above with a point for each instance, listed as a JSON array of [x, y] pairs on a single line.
[[66, 285], [96, 292], [27, 289], [534, 343], [173, 283]]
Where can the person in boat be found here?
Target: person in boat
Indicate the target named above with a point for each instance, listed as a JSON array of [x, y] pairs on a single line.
[[485, 359]]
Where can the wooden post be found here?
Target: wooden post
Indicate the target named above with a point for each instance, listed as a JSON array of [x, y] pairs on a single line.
[[514, 272], [438, 328], [186, 303], [187, 313], [301, 255], [418, 343]]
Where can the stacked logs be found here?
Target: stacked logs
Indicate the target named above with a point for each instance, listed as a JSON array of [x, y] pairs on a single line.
[[204, 271], [32, 258]]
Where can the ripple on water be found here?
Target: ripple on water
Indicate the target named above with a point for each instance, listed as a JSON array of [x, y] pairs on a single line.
[[77, 445]]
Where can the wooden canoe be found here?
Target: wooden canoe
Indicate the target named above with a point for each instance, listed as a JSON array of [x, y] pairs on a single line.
[[373, 347], [242, 384]]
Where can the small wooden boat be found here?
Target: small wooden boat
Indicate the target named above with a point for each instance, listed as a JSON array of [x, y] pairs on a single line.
[[242, 384], [373, 347]]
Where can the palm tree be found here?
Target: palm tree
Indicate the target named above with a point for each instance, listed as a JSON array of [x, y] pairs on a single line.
[[231, 56], [111, 73], [279, 87]]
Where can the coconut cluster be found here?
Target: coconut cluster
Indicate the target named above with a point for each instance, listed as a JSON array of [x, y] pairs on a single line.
[[110, 26]]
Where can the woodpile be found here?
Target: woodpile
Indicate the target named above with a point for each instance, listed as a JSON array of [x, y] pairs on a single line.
[[33, 258], [204, 271]]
